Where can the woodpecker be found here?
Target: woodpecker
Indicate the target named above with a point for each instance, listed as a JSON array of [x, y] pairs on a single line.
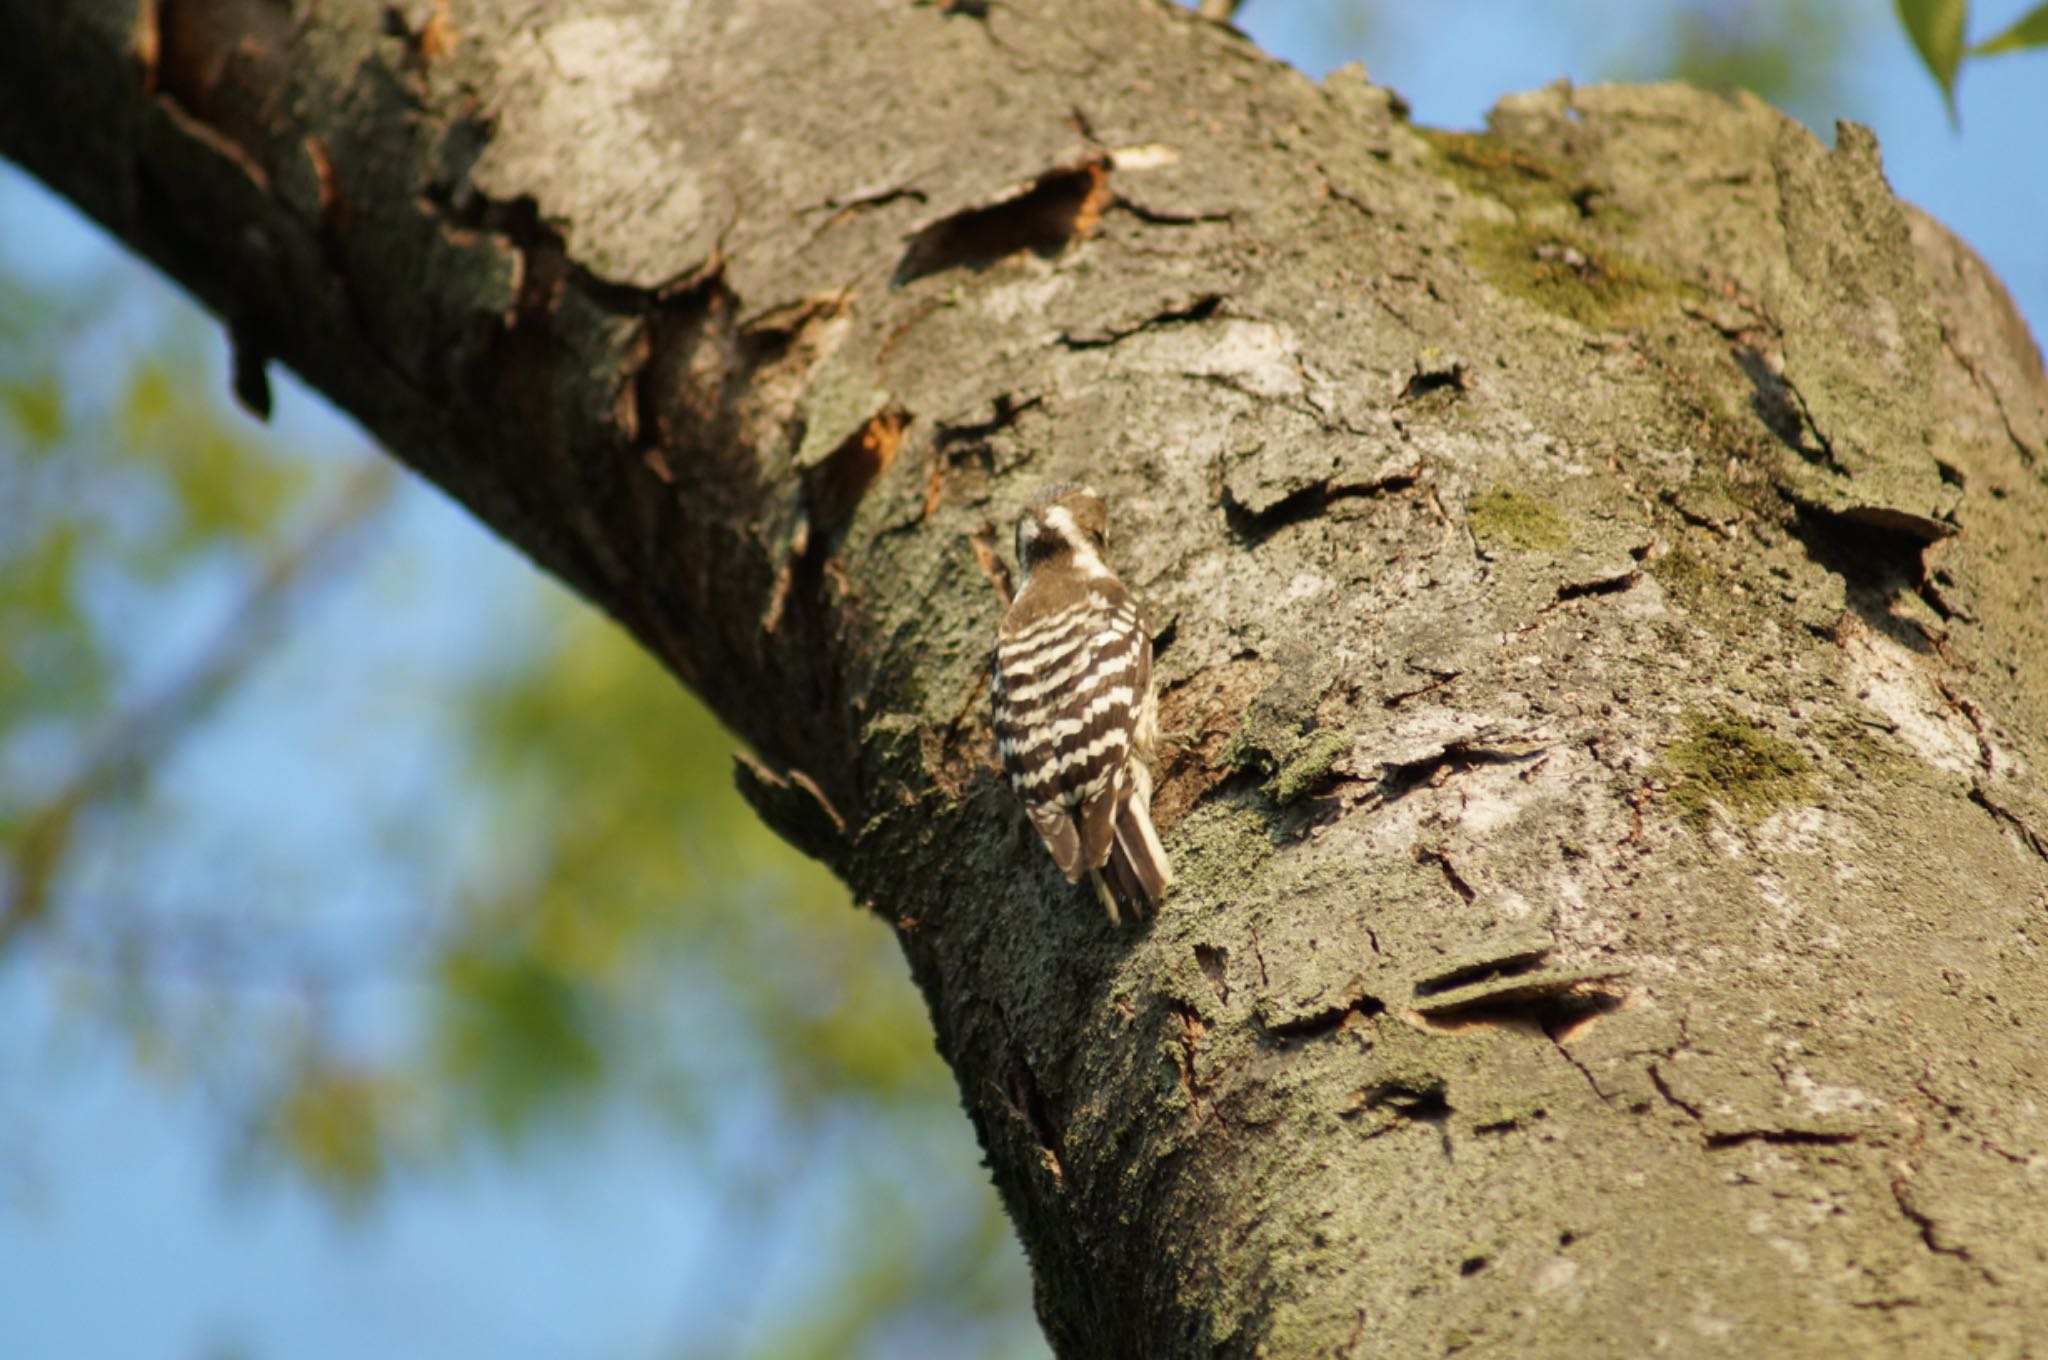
[[1075, 714]]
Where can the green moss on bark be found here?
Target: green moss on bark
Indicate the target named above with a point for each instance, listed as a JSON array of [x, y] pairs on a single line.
[[1568, 273], [1508, 517], [1739, 766], [1483, 164]]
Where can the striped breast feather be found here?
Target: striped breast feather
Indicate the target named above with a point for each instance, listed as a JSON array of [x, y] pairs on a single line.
[[1067, 696]]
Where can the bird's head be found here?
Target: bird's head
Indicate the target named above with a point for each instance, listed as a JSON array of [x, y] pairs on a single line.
[[1064, 522]]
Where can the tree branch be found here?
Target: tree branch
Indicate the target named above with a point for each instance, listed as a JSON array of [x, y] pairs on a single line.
[[757, 328]]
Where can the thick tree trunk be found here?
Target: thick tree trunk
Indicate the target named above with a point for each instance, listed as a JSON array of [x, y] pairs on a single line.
[[1598, 570]]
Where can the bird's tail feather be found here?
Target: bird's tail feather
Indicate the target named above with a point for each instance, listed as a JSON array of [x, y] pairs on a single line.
[[1138, 873]]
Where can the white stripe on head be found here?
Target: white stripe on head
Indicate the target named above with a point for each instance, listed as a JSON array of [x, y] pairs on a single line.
[[1061, 521]]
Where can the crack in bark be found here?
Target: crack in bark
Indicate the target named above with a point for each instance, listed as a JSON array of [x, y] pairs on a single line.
[[1778, 1138], [1198, 309], [1783, 408], [1510, 1123], [1344, 196], [1397, 780], [224, 64], [1559, 1030], [1606, 585], [830, 493], [1193, 1029], [1407, 1100], [1987, 753], [990, 561], [2033, 839], [1156, 217], [841, 211], [2029, 455], [1254, 527], [1507, 965], [1929, 1233], [1429, 855], [1330, 1019], [793, 805], [1438, 680], [1027, 1102], [1671, 1097]]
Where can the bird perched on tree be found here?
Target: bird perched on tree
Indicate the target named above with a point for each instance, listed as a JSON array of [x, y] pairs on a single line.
[[1075, 714]]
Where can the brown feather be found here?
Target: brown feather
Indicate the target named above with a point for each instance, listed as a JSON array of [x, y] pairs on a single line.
[[1098, 827], [1056, 826]]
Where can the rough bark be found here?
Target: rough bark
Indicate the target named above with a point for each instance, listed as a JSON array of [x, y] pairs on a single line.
[[1597, 565]]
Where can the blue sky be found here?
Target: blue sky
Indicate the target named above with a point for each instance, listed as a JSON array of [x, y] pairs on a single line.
[[1453, 58], [121, 1238]]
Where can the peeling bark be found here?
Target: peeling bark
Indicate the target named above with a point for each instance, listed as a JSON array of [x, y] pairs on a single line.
[[1598, 562]]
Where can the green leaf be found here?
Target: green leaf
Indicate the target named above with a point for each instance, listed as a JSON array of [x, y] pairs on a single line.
[[1936, 28], [36, 409], [2029, 30], [330, 1120], [520, 1037]]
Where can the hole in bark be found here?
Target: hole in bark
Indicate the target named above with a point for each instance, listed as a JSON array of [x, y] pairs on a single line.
[[1556, 1007], [1214, 961], [1471, 1266], [1421, 382], [1060, 207], [1613, 585], [1419, 1099], [846, 474], [1878, 554]]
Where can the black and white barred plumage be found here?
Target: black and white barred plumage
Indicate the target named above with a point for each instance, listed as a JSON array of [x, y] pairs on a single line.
[[1075, 714]]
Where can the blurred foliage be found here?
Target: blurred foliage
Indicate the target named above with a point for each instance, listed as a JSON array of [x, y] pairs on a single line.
[[597, 927], [1785, 51], [1938, 29], [122, 491]]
